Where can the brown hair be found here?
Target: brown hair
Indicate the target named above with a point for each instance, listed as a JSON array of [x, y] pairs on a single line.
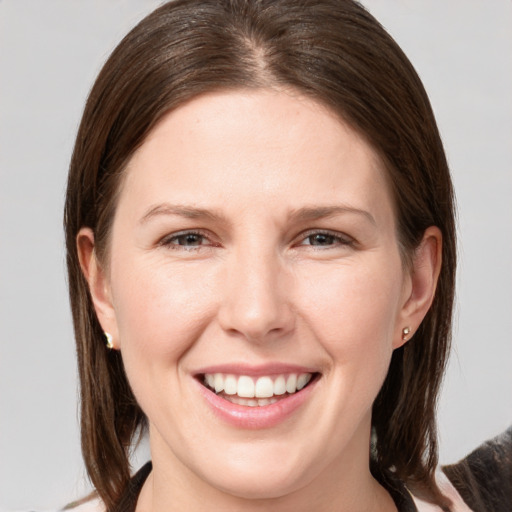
[[331, 50]]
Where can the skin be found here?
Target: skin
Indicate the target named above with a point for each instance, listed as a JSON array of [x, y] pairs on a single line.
[[257, 284]]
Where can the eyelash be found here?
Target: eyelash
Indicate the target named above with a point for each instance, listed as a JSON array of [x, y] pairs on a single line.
[[168, 241], [337, 239]]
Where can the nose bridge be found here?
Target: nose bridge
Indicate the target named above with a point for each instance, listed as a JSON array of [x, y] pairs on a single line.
[[255, 302]]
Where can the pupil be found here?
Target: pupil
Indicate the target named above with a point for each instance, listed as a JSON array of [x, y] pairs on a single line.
[[190, 239], [322, 239]]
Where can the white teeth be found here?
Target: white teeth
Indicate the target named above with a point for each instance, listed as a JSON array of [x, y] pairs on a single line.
[[218, 382], [303, 379], [291, 383], [280, 385], [230, 385], [251, 402], [210, 380], [262, 389], [245, 386]]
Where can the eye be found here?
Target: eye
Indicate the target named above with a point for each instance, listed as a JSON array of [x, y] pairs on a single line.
[[325, 239], [321, 239], [186, 240]]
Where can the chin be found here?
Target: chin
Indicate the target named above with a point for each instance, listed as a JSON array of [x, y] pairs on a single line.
[[259, 483], [260, 470]]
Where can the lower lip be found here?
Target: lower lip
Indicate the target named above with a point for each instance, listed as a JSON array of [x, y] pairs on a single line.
[[247, 417]]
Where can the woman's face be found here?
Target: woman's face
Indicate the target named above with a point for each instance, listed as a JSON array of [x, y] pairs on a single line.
[[254, 251]]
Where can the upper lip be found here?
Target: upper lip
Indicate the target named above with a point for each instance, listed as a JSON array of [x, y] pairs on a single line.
[[256, 370]]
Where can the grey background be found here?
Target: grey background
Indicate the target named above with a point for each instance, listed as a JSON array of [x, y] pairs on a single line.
[[50, 52]]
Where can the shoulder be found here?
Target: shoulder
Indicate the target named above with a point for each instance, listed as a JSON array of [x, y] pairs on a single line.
[[484, 478], [448, 490]]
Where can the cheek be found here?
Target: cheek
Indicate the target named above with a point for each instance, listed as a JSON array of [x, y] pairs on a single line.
[[160, 316], [353, 310], [159, 310], [352, 305]]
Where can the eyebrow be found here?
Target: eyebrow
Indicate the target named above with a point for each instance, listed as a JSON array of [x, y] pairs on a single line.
[[299, 215], [315, 213], [188, 212]]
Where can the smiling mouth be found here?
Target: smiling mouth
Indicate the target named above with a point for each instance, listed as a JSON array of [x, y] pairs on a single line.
[[256, 391]]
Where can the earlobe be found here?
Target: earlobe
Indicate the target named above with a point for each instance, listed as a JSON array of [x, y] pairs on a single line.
[[424, 274], [97, 279]]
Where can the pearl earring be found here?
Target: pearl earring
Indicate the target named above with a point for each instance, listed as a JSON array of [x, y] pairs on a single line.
[[110, 342], [405, 333]]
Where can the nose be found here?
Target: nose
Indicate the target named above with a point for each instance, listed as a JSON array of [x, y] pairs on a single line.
[[256, 298]]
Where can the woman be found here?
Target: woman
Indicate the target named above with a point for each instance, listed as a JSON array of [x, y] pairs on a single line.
[[261, 257]]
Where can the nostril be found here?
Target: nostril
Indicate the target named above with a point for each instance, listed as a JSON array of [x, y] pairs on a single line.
[[257, 326]]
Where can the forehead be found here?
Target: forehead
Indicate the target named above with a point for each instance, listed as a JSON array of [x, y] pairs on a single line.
[[255, 146]]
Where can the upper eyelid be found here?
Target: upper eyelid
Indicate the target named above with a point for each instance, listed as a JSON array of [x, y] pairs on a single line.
[[330, 232], [298, 238], [172, 236]]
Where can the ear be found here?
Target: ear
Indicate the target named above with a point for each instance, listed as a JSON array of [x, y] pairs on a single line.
[[420, 285], [99, 285]]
